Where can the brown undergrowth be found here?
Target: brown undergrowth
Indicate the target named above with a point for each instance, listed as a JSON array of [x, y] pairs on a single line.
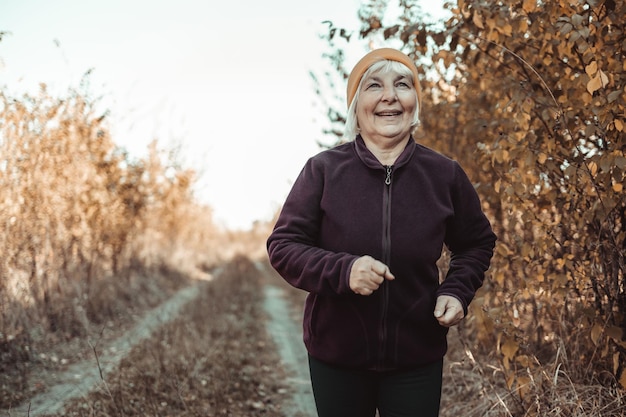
[[29, 362]]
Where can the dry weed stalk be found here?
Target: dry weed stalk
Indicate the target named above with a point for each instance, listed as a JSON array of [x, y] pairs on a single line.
[[477, 386]]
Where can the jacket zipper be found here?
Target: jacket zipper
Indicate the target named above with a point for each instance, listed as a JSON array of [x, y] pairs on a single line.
[[386, 258]]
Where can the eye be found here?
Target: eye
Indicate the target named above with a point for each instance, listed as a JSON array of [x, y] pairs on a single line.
[[403, 84], [372, 84]]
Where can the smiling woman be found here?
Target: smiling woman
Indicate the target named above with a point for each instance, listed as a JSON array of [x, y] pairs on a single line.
[[362, 230]]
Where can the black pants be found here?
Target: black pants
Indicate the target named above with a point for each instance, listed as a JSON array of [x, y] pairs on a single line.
[[343, 392]]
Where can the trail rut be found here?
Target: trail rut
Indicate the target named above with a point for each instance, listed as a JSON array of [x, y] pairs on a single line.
[[82, 377]]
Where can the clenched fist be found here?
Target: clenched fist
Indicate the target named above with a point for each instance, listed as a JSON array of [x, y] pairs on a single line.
[[448, 311], [367, 274]]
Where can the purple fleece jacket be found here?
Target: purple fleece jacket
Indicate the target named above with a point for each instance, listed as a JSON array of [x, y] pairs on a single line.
[[344, 205]]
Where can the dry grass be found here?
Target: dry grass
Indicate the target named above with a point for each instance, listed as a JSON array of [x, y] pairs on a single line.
[[215, 360], [475, 385]]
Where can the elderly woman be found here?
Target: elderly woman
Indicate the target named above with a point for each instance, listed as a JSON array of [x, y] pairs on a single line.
[[361, 231]]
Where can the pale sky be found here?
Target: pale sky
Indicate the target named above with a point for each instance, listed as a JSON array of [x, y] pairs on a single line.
[[227, 80]]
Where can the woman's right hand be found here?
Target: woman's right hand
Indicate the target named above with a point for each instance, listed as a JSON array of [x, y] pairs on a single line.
[[367, 274]]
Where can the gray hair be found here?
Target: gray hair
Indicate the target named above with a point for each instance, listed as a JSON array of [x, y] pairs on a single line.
[[351, 128]]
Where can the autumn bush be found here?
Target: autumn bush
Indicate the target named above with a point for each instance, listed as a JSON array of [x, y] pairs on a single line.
[[530, 97], [88, 231]]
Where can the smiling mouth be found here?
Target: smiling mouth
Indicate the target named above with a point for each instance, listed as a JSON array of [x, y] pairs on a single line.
[[389, 113]]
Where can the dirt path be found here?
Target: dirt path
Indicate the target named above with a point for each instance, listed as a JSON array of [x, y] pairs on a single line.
[[82, 377], [288, 337]]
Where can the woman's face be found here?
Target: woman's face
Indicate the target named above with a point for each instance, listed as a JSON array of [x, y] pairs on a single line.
[[386, 105]]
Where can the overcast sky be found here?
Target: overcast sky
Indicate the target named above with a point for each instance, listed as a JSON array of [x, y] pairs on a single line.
[[227, 80]]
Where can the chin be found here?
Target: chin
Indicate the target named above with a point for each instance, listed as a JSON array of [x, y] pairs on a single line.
[[394, 133]]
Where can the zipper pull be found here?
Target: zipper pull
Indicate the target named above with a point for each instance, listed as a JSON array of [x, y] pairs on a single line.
[[388, 177]]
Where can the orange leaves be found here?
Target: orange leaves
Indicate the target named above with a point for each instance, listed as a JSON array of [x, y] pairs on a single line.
[[529, 5], [592, 68], [598, 78], [501, 156], [602, 336], [478, 21], [509, 349], [542, 158], [558, 168], [609, 169]]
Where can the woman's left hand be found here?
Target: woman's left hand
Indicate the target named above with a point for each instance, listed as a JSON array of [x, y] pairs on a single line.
[[448, 311]]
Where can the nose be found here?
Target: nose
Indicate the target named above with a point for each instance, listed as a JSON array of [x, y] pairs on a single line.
[[389, 94]]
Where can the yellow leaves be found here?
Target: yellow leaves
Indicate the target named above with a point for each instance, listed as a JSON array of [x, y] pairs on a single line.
[[591, 69], [542, 158], [529, 5], [506, 29], [597, 82], [501, 155], [598, 79], [522, 25], [478, 21], [618, 187], [603, 337], [527, 250], [619, 125], [499, 277], [509, 348], [622, 379], [523, 386], [524, 360]]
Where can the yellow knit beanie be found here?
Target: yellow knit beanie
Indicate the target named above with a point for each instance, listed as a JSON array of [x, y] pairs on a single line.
[[380, 55]]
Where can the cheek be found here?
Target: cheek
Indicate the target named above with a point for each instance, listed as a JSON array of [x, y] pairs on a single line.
[[410, 106], [363, 112]]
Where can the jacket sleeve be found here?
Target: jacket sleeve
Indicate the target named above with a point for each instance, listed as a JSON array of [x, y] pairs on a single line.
[[471, 242], [293, 247]]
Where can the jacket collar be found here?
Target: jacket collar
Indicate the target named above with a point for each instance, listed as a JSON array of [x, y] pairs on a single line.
[[368, 158]]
